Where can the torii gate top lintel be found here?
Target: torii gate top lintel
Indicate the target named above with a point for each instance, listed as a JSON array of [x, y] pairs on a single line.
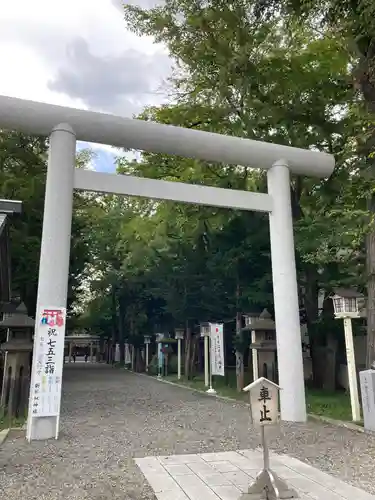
[[39, 118]]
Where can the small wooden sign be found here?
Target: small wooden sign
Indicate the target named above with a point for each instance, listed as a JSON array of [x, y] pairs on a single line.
[[264, 401]]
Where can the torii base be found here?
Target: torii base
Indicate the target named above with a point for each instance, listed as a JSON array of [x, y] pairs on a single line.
[[268, 486]]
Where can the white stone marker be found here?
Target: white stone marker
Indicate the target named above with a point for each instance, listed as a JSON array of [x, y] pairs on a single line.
[[264, 403], [367, 381]]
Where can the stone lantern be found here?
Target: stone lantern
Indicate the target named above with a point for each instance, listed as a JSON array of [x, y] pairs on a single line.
[[179, 334], [250, 317], [159, 338], [347, 304], [17, 368], [204, 329], [147, 342], [263, 345]]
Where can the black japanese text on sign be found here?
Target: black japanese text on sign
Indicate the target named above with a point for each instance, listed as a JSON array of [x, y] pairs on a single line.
[[264, 396], [50, 363]]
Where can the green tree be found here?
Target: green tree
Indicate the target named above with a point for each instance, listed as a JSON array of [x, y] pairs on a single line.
[[22, 177], [274, 81], [23, 167], [354, 22], [178, 264]]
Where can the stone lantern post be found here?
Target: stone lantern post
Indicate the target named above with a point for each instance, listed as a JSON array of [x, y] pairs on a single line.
[[159, 337], [179, 335], [250, 318], [18, 348], [147, 342], [346, 306], [263, 345], [205, 334]]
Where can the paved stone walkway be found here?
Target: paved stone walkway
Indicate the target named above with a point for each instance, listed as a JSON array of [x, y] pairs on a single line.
[[111, 416], [227, 474]]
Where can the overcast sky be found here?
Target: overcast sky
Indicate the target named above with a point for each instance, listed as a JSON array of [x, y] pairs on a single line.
[[78, 53]]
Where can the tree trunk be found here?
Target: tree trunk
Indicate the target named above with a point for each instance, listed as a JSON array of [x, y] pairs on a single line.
[[240, 376], [195, 341], [139, 362], [310, 300], [329, 381], [239, 355], [200, 356], [133, 358], [250, 364], [370, 307], [121, 330], [187, 350], [114, 325], [366, 81]]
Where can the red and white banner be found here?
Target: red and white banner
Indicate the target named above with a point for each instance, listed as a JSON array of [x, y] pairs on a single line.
[[217, 349], [49, 359]]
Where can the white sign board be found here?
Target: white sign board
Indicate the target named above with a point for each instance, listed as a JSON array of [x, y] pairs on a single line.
[[49, 355], [367, 381], [264, 401], [217, 349]]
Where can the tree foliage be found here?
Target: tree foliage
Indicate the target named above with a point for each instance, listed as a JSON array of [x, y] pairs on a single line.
[[23, 166], [246, 68]]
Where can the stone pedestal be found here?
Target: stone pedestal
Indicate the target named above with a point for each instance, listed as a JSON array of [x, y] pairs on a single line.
[[268, 486], [18, 348], [16, 376]]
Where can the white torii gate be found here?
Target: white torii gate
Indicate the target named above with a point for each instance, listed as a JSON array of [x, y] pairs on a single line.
[[66, 125]]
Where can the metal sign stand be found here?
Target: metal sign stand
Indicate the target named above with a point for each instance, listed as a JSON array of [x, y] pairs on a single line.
[[267, 485]]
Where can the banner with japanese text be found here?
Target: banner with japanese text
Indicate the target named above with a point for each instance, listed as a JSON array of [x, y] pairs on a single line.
[[49, 354], [217, 349]]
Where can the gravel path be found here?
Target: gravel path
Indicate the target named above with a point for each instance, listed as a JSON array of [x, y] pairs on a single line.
[[110, 416]]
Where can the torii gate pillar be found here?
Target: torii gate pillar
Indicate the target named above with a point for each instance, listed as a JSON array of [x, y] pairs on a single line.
[[54, 253], [285, 293]]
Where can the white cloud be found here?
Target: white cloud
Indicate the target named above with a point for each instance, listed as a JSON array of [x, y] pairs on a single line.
[[27, 77], [51, 51]]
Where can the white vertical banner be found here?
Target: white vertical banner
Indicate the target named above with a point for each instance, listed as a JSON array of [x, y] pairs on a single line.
[[217, 349], [46, 386]]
